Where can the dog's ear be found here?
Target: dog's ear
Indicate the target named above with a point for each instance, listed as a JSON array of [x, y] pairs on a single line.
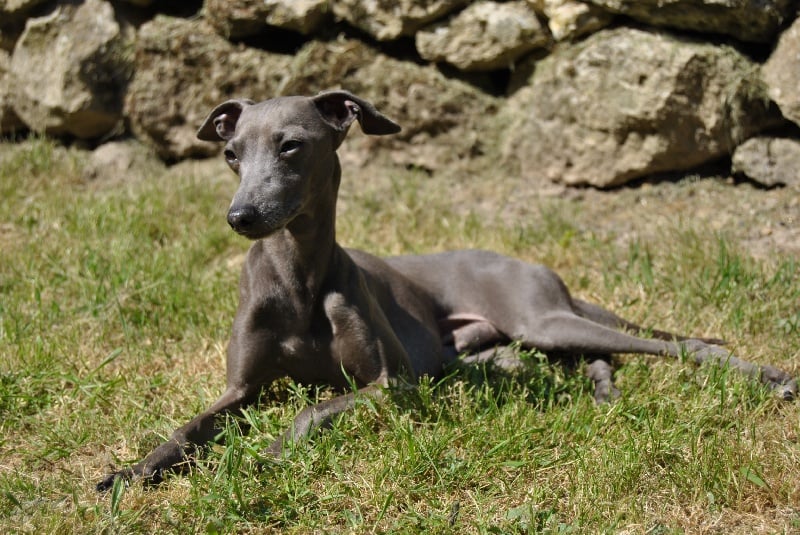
[[341, 108], [221, 122]]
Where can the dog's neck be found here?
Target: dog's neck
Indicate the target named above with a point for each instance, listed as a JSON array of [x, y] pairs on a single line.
[[305, 251]]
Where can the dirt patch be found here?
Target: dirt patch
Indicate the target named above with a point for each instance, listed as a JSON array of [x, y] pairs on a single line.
[[763, 222]]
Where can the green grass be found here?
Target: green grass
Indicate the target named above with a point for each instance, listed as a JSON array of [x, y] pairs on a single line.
[[115, 307]]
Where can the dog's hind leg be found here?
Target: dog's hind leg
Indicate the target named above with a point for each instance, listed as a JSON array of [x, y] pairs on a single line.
[[565, 332], [605, 317]]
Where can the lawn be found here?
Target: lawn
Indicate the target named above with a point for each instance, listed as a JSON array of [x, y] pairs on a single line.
[[116, 300]]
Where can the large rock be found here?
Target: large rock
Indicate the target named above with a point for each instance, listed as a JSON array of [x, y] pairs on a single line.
[[9, 120], [485, 36], [389, 19], [304, 16], [442, 118], [746, 20], [321, 65], [769, 161], [183, 70], [16, 10], [68, 85], [243, 18], [626, 103], [782, 73], [120, 161], [570, 19]]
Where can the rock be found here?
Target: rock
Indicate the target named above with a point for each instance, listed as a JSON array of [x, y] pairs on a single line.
[[9, 121], [243, 18], [441, 117], [781, 73], [769, 161], [12, 11], [746, 20], [183, 70], [389, 19], [303, 16], [322, 65], [485, 36], [119, 161], [626, 103], [570, 19], [237, 18], [80, 91]]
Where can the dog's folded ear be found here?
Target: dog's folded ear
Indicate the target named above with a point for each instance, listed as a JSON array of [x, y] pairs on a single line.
[[341, 108], [221, 122]]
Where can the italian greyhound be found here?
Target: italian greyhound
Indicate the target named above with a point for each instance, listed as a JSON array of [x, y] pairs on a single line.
[[321, 314]]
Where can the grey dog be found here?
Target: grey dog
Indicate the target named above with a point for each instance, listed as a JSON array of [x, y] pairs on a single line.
[[321, 314]]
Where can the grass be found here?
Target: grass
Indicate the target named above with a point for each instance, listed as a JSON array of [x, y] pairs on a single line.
[[115, 308]]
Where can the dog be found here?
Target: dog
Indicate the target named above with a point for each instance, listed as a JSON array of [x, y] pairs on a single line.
[[321, 314]]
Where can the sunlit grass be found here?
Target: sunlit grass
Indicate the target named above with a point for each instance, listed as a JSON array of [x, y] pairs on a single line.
[[115, 309]]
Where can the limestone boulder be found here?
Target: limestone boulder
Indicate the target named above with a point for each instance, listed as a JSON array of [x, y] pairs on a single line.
[[321, 65], [303, 16], [485, 36], [120, 161], [386, 20], [243, 18], [745, 20], [570, 19], [80, 91], [781, 72], [183, 70], [442, 118], [769, 161], [12, 11], [626, 103]]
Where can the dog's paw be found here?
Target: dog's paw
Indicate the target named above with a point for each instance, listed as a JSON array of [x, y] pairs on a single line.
[[605, 392], [130, 475], [108, 482], [780, 382], [787, 392], [168, 457]]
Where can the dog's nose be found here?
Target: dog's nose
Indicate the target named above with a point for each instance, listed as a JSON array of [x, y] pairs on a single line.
[[241, 217]]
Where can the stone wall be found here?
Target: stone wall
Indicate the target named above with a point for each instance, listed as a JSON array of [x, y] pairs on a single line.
[[595, 92]]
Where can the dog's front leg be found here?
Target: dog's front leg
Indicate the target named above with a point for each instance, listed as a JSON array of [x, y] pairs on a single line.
[[321, 415], [178, 452]]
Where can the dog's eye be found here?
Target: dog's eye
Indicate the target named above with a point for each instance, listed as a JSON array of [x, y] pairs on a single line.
[[290, 146], [231, 159]]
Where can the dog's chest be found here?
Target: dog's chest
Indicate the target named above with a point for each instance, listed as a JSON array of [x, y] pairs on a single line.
[[324, 353], [306, 360]]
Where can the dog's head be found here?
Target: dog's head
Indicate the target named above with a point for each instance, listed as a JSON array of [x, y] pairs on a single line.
[[284, 151]]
